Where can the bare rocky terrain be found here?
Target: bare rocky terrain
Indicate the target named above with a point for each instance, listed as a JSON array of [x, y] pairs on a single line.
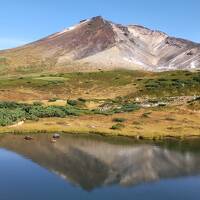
[[96, 44]]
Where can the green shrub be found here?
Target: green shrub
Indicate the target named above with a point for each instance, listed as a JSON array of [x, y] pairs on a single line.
[[9, 104], [43, 112], [37, 103], [54, 99], [120, 120], [8, 117], [32, 117], [146, 114], [129, 107], [117, 126], [81, 100], [72, 102], [11, 112]]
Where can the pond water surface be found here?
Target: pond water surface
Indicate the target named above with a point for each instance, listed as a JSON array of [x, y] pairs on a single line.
[[98, 168]]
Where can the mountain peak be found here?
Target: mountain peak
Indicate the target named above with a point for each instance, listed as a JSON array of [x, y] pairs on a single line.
[[99, 43], [99, 17]]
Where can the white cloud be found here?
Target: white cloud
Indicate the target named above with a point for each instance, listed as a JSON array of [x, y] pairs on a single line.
[[6, 43]]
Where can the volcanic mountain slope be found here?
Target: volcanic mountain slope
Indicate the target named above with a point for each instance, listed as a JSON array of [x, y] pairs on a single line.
[[100, 44]]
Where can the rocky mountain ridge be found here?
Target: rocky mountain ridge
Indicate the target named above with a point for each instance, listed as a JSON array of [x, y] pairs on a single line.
[[97, 43]]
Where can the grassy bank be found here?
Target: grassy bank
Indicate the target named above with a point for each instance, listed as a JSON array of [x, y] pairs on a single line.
[[12, 112], [152, 123]]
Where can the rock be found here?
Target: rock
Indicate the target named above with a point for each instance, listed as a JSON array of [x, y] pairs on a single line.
[[137, 99], [84, 20], [162, 104], [56, 136], [91, 126], [28, 138], [18, 124], [53, 140]]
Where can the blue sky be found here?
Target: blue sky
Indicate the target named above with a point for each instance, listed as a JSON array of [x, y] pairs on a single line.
[[23, 21]]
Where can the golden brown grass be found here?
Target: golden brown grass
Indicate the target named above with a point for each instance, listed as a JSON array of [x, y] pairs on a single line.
[[150, 123], [159, 123]]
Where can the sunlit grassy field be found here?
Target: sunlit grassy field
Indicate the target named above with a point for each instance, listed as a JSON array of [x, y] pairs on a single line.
[[167, 103], [100, 85]]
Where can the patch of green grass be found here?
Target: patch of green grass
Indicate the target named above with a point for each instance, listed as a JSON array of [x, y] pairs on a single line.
[[3, 61], [178, 83], [72, 102], [155, 85], [118, 126], [51, 78], [54, 99], [71, 81]]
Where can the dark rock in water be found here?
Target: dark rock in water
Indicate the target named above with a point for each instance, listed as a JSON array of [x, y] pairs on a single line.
[[28, 138], [56, 136], [139, 137], [154, 138]]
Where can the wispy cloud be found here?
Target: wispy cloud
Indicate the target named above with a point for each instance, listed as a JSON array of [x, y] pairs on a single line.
[[6, 43]]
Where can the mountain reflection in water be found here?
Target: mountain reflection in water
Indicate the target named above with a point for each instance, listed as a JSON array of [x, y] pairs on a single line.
[[93, 163]]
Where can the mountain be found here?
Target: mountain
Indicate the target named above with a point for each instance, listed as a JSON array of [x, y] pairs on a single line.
[[100, 44]]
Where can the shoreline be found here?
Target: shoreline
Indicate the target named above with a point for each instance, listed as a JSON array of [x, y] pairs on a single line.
[[157, 123], [143, 124], [117, 134]]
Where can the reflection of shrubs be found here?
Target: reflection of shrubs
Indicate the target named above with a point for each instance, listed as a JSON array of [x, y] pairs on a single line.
[[117, 126], [120, 120]]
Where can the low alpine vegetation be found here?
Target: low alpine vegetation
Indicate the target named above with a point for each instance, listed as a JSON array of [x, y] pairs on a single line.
[[117, 126], [11, 112], [119, 120]]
